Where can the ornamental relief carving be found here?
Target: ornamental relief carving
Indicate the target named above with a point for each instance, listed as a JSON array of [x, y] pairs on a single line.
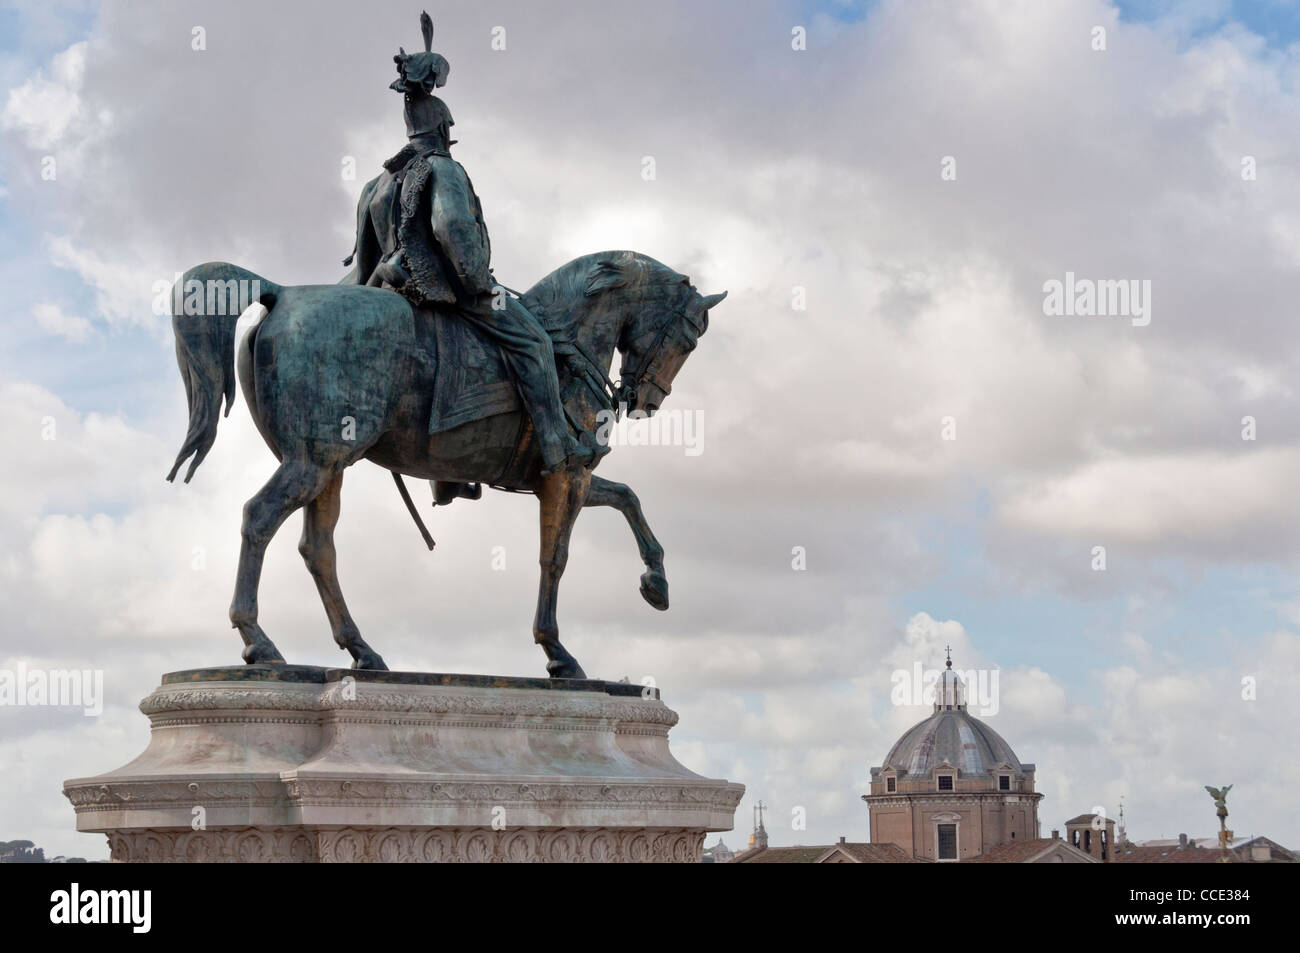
[[407, 845], [139, 793], [143, 794], [605, 710]]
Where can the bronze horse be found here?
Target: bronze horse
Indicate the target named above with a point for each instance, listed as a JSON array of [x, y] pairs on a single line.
[[334, 374]]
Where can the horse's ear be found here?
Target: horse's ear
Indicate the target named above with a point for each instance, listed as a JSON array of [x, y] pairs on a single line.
[[711, 300], [604, 275]]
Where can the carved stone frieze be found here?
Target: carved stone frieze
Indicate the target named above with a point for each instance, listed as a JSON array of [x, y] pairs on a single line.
[[406, 845]]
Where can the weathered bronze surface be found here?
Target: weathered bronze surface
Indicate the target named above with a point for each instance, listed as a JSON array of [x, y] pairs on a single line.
[[413, 362], [1220, 796], [420, 232], [334, 374]]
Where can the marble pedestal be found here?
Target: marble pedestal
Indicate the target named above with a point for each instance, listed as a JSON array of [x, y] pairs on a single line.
[[303, 764]]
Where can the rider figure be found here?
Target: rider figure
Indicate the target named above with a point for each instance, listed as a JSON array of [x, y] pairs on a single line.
[[420, 232]]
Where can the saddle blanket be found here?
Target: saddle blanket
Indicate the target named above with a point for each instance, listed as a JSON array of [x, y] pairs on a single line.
[[472, 379]]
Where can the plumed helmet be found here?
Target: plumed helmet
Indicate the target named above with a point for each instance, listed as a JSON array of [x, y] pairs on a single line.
[[423, 71]]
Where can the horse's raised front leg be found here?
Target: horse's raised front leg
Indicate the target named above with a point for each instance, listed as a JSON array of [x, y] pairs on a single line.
[[294, 484], [319, 517], [560, 496], [654, 584]]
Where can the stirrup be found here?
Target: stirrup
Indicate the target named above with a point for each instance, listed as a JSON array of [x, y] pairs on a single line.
[[444, 492]]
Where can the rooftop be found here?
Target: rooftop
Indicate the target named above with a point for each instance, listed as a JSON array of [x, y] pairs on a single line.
[[1024, 851], [859, 853]]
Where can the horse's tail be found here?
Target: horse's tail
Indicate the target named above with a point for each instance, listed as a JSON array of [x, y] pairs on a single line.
[[206, 304]]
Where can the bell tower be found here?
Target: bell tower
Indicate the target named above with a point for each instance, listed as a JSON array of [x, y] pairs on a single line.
[[1094, 834], [758, 839]]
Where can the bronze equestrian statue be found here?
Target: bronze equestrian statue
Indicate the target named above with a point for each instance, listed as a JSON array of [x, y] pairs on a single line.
[[420, 363]]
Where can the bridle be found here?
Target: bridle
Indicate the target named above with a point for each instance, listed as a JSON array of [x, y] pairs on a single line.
[[615, 396], [624, 393]]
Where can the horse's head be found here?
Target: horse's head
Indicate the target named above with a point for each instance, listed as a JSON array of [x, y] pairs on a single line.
[[664, 317]]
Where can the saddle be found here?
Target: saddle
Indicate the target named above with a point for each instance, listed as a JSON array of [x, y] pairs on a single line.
[[472, 380]]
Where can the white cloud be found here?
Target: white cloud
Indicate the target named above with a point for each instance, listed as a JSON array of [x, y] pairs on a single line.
[[70, 327], [43, 108], [1166, 499], [124, 288]]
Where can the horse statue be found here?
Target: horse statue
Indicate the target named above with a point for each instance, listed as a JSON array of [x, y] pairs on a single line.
[[334, 374]]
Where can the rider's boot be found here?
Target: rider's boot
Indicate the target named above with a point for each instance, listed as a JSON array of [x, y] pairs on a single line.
[[445, 491], [571, 454]]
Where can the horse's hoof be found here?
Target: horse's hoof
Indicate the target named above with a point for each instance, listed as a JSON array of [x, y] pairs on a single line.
[[565, 668], [262, 653], [370, 661], [654, 589]]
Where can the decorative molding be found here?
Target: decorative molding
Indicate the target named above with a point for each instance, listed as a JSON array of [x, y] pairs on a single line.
[[408, 845], [187, 698], [333, 698], [666, 794]]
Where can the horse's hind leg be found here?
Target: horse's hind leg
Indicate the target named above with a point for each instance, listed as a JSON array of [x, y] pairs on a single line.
[[319, 517], [654, 584], [293, 485], [560, 496]]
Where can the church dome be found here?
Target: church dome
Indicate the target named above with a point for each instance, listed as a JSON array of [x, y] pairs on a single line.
[[951, 788], [951, 735]]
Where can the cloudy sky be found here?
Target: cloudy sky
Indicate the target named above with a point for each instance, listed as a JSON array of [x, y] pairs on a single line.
[[884, 207]]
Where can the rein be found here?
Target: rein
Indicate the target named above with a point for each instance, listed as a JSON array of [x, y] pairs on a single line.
[[612, 396]]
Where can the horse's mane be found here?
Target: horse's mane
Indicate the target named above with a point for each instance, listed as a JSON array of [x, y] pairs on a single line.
[[552, 299]]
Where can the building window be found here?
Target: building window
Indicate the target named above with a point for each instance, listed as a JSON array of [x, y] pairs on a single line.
[[947, 841], [945, 782], [891, 785], [1004, 782]]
